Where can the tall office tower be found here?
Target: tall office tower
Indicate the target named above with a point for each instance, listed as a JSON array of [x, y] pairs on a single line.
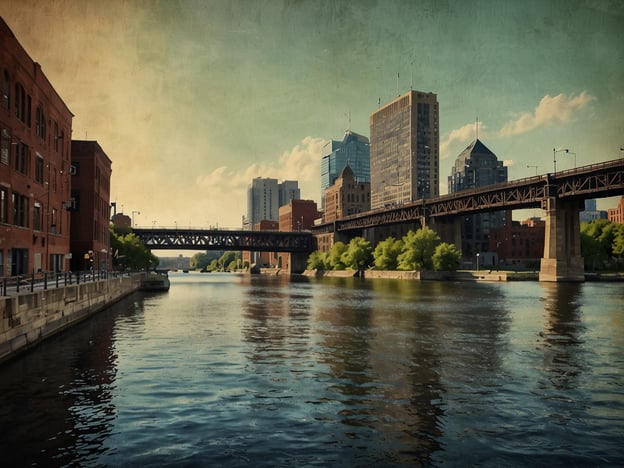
[[475, 167], [404, 150], [262, 200], [265, 196], [352, 151], [288, 190]]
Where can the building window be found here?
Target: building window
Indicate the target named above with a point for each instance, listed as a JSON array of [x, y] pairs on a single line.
[[53, 221], [20, 102], [37, 217], [5, 147], [40, 123], [20, 209], [4, 205], [39, 170], [56, 136], [21, 158], [6, 92]]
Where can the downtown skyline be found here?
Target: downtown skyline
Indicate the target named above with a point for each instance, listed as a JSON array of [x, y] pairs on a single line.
[[192, 100]]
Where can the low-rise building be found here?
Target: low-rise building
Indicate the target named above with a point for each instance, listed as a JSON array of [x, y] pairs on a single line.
[[297, 215], [517, 243], [90, 218], [346, 196], [616, 215]]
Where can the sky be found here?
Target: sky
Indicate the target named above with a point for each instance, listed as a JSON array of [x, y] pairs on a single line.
[[192, 99]]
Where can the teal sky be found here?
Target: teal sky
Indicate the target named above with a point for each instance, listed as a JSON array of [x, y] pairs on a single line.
[[192, 99]]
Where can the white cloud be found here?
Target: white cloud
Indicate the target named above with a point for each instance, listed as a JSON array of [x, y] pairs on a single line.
[[225, 189], [560, 108], [458, 135]]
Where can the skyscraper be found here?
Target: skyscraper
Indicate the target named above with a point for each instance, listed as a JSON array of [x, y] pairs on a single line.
[[475, 167], [265, 196], [404, 150], [352, 151]]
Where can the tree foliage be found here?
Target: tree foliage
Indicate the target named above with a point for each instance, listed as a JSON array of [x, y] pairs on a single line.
[[387, 252], [335, 256], [446, 257], [602, 244], [358, 254], [418, 250], [129, 253], [319, 261]]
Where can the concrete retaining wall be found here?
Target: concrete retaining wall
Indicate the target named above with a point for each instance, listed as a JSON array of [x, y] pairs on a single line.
[[419, 275], [29, 318]]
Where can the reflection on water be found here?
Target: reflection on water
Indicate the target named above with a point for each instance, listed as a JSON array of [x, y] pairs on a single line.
[[562, 338], [234, 370]]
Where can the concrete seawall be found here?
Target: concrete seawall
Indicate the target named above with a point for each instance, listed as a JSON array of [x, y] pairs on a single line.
[[29, 318]]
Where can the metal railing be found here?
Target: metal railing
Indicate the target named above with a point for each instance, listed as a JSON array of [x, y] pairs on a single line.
[[47, 280]]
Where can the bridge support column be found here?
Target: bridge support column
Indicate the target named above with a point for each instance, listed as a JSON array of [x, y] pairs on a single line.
[[448, 228], [562, 259], [298, 262]]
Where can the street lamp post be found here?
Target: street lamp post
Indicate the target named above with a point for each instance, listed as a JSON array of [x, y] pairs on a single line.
[[555, 151], [571, 152], [137, 212], [477, 261], [529, 166]]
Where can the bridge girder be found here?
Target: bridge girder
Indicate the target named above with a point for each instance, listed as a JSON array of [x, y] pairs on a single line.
[[207, 239], [593, 181]]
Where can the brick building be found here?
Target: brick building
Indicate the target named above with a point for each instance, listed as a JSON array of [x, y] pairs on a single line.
[[518, 242], [346, 197], [297, 215], [35, 132], [616, 215], [90, 217]]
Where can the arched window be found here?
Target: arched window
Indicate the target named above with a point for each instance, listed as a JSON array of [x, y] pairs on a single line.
[[6, 91]]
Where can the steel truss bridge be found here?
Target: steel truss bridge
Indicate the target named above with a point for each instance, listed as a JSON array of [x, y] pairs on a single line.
[[219, 239], [559, 194], [593, 181]]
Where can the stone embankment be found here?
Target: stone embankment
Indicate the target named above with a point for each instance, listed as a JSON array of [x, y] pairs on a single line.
[[484, 275], [29, 318]]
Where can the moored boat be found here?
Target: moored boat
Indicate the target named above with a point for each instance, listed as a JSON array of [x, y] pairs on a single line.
[[157, 280]]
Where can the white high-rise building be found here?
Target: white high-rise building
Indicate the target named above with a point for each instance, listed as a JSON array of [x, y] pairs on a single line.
[[265, 196]]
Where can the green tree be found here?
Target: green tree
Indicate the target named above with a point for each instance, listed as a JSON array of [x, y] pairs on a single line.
[[387, 252], [618, 241], [418, 249], [446, 257], [129, 252], [358, 255], [201, 260], [335, 256], [318, 261]]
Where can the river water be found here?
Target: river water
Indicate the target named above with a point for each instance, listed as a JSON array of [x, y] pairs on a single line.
[[233, 370]]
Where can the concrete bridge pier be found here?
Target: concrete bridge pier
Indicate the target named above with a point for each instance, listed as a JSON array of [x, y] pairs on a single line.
[[448, 228], [562, 259]]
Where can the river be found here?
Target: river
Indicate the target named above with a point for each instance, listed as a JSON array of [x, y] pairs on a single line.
[[236, 370]]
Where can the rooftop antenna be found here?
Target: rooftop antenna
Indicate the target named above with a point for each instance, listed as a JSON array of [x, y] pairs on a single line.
[[477, 127], [378, 102], [412, 76], [398, 84]]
